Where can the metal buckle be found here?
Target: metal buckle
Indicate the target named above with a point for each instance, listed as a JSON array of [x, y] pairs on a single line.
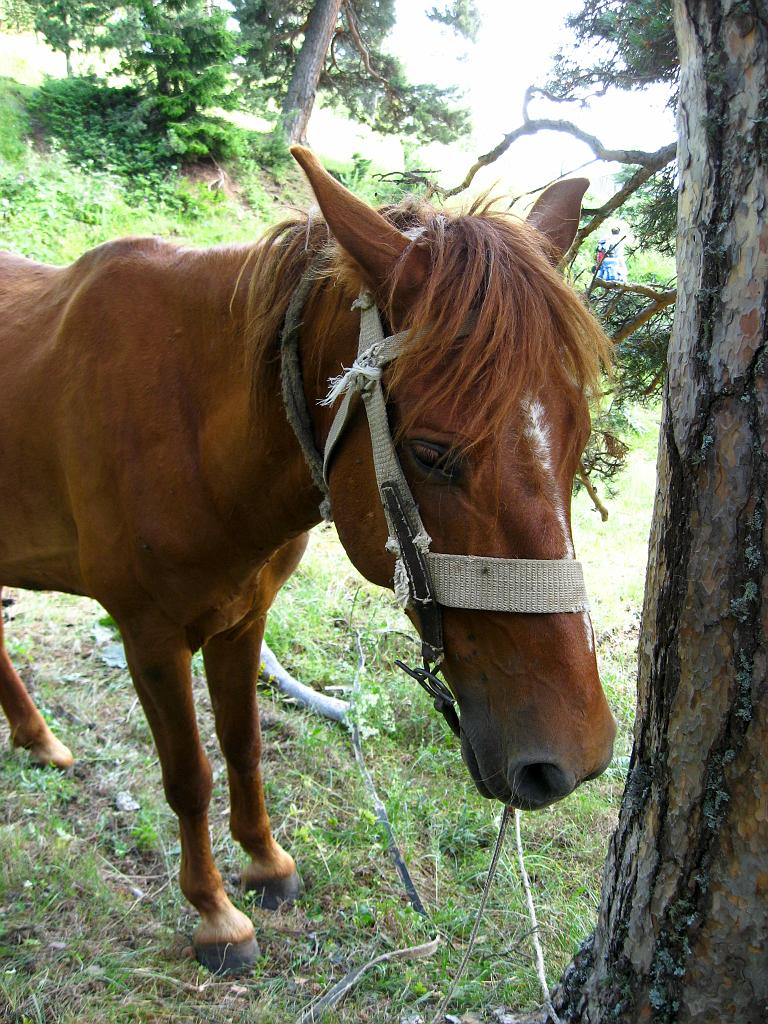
[[442, 698]]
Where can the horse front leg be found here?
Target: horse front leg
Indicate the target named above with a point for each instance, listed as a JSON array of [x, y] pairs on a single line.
[[159, 661], [232, 661], [232, 666]]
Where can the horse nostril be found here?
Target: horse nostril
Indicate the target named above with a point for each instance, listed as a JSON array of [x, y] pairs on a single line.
[[540, 783]]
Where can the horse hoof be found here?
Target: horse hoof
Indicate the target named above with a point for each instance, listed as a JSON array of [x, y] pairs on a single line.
[[227, 957], [51, 753], [274, 893]]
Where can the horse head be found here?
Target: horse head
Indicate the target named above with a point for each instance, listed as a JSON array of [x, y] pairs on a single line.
[[487, 404]]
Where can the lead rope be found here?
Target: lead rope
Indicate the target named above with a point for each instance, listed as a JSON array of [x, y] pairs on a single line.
[[381, 811], [478, 918], [336, 993], [540, 969]]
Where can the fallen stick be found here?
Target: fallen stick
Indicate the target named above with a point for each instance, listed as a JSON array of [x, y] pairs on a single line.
[[340, 989], [272, 672]]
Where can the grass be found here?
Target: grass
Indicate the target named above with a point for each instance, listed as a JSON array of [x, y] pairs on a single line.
[[93, 924], [52, 209]]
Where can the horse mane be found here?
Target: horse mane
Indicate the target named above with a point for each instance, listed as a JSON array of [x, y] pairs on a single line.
[[530, 327]]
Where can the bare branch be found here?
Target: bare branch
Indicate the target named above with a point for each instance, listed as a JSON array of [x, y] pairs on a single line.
[[663, 300], [655, 381], [653, 161], [664, 297], [617, 199], [362, 49], [338, 35], [271, 671], [590, 489], [583, 101]]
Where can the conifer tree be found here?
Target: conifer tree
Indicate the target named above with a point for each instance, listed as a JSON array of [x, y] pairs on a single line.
[[179, 53], [294, 50]]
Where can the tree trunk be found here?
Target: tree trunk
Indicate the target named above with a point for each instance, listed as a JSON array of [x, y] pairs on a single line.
[[682, 934], [300, 97]]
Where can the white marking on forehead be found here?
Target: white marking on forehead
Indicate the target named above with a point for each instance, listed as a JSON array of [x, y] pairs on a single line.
[[538, 431]]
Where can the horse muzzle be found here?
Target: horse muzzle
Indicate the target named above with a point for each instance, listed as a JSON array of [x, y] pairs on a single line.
[[525, 783]]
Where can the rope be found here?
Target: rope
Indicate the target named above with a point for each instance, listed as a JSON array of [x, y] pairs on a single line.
[[478, 917], [292, 386], [540, 970], [337, 992]]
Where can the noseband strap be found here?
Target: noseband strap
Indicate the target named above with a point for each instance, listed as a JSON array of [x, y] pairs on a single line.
[[424, 580]]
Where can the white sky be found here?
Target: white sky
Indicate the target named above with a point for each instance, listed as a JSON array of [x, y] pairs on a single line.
[[513, 50]]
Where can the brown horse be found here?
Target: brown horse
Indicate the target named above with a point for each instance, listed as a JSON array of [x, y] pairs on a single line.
[[146, 461]]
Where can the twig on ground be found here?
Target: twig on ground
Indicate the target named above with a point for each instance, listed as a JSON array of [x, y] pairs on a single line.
[[334, 995]]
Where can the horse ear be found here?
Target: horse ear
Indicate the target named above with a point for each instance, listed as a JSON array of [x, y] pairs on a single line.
[[557, 210], [373, 242]]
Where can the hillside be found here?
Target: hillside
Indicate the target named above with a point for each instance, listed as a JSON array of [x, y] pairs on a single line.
[[53, 208]]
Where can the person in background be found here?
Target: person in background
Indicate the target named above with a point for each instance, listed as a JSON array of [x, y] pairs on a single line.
[[610, 264]]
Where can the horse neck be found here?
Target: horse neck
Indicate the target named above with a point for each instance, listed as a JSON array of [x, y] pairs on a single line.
[[328, 341]]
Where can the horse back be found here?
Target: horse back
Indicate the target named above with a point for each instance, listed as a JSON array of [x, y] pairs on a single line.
[[111, 371]]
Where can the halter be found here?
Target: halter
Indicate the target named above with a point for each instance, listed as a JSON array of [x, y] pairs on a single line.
[[424, 580]]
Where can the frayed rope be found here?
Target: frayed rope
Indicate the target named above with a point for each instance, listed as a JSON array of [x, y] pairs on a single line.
[[354, 377]]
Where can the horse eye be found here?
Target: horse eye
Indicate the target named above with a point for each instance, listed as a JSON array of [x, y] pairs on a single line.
[[436, 460]]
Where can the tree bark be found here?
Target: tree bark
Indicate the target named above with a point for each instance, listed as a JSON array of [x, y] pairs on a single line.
[[300, 97], [682, 932]]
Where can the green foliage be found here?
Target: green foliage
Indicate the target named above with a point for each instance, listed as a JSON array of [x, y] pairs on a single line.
[[626, 44], [179, 57], [272, 35], [623, 44], [117, 129], [17, 15], [52, 211], [64, 23], [98, 125], [639, 362], [651, 211], [460, 15], [14, 121]]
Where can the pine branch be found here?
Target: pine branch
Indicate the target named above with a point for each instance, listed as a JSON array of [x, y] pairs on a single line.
[[618, 199], [664, 298]]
